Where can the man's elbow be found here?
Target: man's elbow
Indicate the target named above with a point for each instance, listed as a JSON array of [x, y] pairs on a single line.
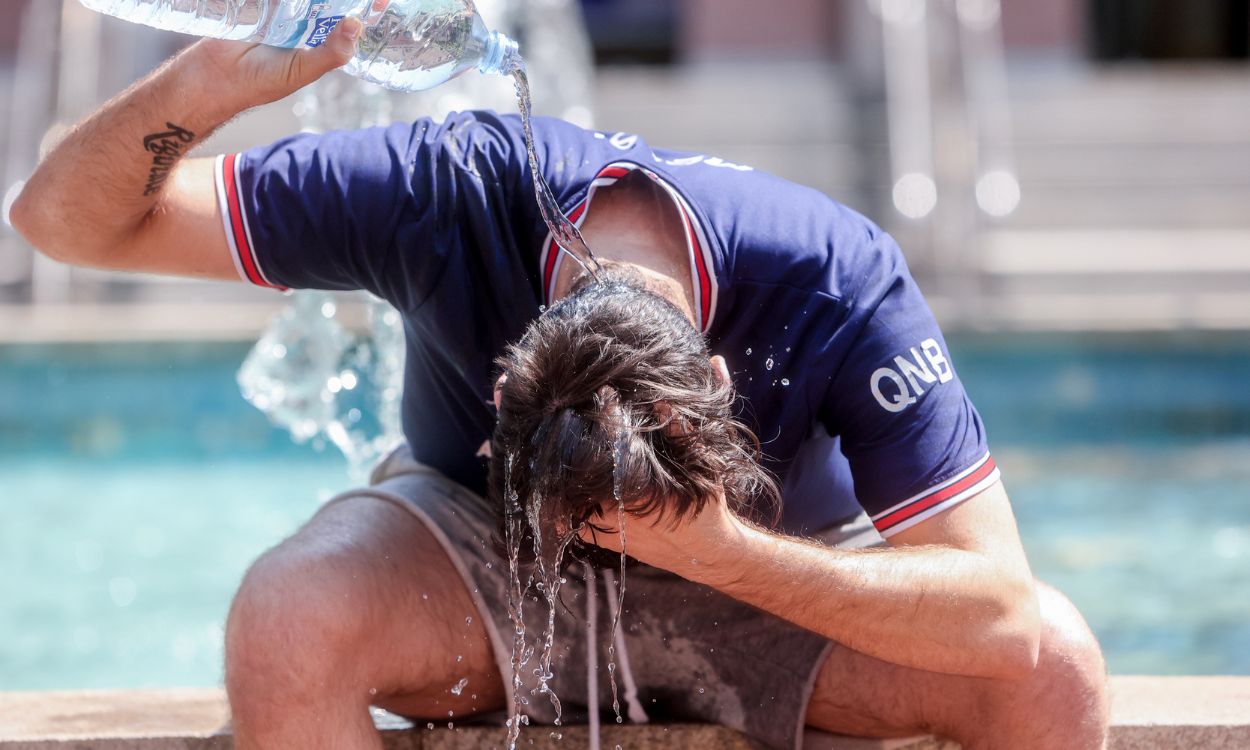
[[21, 215], [29, 220], [48, 231]]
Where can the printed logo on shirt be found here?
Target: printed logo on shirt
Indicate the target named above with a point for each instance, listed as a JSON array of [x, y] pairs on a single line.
[[898, 387], [626, 141]]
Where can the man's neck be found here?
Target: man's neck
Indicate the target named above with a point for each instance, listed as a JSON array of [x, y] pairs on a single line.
[[634, 221]]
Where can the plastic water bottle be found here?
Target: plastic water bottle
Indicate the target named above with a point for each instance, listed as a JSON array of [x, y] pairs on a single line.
[[408, 45]]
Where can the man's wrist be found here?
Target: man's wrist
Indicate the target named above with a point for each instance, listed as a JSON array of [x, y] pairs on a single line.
[[211, 94], [720, 562]]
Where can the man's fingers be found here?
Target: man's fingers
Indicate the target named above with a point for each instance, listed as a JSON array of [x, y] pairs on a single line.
[[333, 54], [345, 37]]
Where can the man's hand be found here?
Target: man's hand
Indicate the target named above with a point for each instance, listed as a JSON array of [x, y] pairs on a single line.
[[264, 74], [690, 547]]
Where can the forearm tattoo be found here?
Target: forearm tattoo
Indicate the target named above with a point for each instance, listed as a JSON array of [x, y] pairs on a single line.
[[166, 148]]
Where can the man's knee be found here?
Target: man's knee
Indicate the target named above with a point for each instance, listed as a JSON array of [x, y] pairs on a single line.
[[1070, 664], [297, 620], [1063, 703]]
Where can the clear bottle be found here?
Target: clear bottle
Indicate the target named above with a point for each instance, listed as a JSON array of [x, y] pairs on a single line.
[[407, 45]]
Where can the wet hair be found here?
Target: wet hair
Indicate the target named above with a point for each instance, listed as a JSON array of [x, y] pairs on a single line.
[[610, 396]]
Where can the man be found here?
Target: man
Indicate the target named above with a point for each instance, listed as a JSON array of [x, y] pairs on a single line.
[[393, 596]]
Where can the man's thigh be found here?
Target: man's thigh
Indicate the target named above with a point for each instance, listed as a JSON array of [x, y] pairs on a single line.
[[367, 588]]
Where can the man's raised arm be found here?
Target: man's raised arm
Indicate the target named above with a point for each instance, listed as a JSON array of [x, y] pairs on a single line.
[[116, 192]]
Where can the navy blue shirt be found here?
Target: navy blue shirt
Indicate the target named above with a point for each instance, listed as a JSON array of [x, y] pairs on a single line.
[[839, 365]]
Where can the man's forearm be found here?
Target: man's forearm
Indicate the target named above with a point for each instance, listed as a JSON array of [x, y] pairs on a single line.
[[936, 608], [116, 174], [107, 175]]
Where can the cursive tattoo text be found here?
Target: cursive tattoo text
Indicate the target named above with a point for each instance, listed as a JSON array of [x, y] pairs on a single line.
[[166, 148]]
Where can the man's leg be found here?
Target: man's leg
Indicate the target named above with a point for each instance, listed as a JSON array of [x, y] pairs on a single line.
[[360, 607], [1062, 704]]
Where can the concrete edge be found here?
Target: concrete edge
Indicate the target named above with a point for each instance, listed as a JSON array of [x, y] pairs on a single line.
[[1147, 713]]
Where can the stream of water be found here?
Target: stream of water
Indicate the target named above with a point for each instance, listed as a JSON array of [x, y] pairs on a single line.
[[564, 231], [548, 541]]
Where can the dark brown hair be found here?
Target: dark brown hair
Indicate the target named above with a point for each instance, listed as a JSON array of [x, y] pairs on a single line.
[[613, 384]]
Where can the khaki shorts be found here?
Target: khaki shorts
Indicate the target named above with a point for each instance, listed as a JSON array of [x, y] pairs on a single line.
[[683, 652]]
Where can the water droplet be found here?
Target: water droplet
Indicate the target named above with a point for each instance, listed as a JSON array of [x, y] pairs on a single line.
[[328, 309], [468, 621], [459, 658], [785, 382], [557, 736], [787, 348], [425, 596], [458, 688], [701, 691], [768, 363], [748, 351], [373, 691], [430, 725]]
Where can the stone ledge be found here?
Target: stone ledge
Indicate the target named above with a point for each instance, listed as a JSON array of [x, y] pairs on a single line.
[[1147, 713]]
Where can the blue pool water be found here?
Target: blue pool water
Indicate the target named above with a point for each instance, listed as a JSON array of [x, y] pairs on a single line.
[[136, 485]]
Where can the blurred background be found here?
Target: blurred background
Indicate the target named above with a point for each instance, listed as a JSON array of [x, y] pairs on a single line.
[[1070, 181]]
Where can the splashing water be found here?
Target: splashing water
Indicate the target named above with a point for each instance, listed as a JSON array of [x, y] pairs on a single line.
[[564, 231], [620, 586], [321, 382], [549, 557], [513, 522]]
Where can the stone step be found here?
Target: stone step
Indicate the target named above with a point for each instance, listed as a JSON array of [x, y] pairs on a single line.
[[1168, 164], [1148, 713], [1127, 104], [1101, 253]]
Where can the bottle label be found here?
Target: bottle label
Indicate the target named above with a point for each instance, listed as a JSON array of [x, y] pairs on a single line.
[[321, 29], [313, 29]]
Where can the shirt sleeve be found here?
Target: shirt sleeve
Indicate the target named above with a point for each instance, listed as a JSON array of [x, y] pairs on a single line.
[[915, 443], [369, 209]]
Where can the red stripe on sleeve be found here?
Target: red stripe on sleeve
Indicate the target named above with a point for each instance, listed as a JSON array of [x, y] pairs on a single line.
[[241, 244], [925, 503], [705, 283]]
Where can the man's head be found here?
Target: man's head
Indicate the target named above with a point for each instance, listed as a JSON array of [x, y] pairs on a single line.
[[614, 386]]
